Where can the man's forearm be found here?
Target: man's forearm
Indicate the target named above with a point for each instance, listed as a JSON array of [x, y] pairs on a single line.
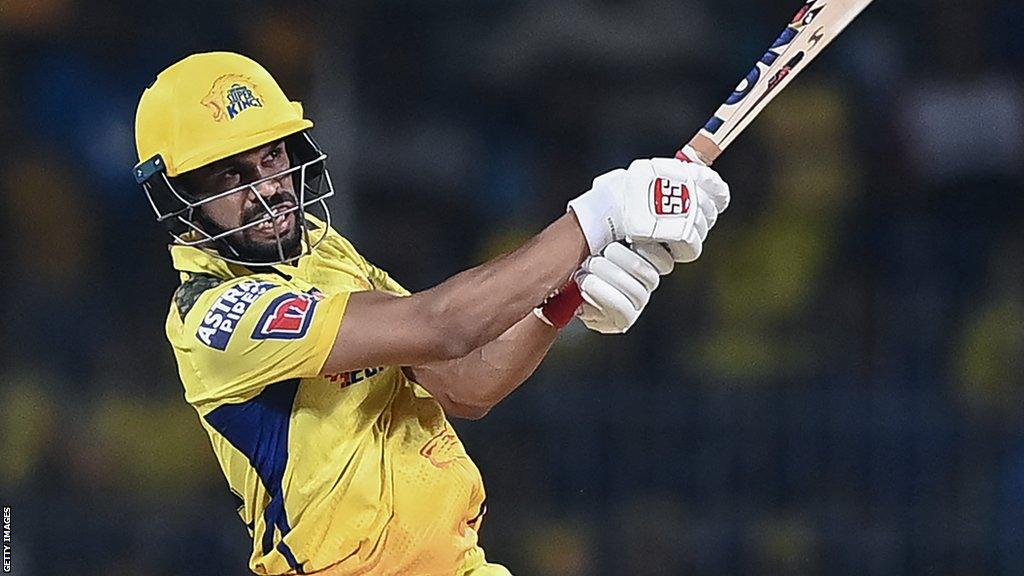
[[480, 304], [461, 314], [468, 387], [473, 308]]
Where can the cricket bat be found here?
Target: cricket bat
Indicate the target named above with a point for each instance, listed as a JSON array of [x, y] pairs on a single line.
[[812, 29]]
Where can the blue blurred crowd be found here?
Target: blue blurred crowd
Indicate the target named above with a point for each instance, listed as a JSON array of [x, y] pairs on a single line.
[[836, 387]]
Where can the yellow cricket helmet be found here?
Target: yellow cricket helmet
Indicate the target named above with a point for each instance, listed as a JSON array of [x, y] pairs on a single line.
[[208, 107]]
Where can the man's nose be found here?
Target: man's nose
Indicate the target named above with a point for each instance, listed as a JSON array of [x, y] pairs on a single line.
[[268, 188]]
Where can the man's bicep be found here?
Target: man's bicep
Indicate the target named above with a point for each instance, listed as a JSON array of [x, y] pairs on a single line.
[[381, 329]]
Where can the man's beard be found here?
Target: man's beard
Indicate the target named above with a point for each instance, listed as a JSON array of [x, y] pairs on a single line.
[[242, 246]]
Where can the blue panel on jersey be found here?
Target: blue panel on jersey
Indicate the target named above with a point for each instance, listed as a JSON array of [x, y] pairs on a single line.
[[258, 428]]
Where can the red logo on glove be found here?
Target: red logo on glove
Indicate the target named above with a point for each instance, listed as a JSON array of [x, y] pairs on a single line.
[[669, 198]]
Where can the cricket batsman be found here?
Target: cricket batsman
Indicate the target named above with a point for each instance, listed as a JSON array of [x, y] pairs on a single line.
[[326, 387]]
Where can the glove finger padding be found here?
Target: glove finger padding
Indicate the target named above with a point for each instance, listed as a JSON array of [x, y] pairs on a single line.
[[717, 195], [711, 183], [589, 313], [657, 254], [605, 309], [701, 226], [597, 321], [634, 264], [709, 209], [688, 250], [618, 279]]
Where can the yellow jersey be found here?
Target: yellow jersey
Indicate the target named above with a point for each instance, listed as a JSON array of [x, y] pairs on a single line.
[[338, 474]]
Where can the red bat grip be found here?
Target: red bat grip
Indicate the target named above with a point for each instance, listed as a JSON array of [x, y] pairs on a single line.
[[560, 308]]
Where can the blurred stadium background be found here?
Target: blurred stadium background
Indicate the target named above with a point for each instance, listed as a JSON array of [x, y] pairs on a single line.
[[850, 399]]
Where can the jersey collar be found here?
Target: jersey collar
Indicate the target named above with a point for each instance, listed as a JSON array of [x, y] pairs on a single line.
[[189, 259], [196, 261], [192, 260]]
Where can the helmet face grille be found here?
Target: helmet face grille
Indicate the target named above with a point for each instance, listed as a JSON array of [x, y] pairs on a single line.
[[180, 212]]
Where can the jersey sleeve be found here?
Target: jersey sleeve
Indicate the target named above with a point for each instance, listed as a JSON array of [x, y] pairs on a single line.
[[381, 280], [244, 336]]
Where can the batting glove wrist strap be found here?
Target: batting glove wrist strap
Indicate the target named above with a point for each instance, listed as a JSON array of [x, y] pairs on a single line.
[[597, 210]]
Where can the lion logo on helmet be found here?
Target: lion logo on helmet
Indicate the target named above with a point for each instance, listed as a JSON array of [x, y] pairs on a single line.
[[230, 95]]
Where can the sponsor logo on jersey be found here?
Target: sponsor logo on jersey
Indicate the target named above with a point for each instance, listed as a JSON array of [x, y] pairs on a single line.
[[230, 95], [349, 378], [288, 317], [669, 198], [220, 322]]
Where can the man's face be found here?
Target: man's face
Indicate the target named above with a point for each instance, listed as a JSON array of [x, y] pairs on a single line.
[[258, 243]]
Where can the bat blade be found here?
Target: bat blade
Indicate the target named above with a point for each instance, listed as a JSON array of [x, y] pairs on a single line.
[[813, 27]]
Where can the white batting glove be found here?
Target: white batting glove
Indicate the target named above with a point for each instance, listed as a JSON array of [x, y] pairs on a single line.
[[684, 252], [662, 199], [617, 285]]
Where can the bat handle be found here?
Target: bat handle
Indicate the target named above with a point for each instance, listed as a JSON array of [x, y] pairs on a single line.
[[701, 150], [686, 154]]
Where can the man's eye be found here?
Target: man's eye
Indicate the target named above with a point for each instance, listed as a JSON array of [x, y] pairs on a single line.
[[230, 176], [275, 153]]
